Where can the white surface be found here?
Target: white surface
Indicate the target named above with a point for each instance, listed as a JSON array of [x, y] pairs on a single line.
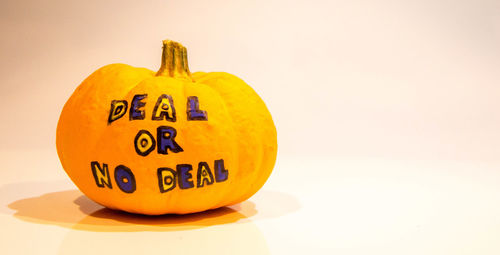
[[386, 111], [332, 206]]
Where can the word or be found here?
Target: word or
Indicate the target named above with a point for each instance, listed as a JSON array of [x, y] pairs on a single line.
[[145, 142], [167, 178]]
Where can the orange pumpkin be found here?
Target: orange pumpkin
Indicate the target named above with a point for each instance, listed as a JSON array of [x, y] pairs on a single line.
[[166, 142]]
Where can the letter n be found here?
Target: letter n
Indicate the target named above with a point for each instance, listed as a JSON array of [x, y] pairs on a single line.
[[101, 174]]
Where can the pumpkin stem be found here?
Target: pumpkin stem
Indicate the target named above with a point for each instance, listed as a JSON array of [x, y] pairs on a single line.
[[174, 61]]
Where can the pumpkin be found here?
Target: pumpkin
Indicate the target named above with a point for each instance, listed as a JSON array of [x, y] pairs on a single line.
[[166, 142]]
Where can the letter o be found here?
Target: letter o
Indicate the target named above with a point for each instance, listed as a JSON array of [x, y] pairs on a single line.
[[125, 179], [144, 143]]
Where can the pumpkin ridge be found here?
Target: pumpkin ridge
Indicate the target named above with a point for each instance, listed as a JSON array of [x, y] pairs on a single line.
[[254, 173], [261, 170], [235, 143], [236, 192]]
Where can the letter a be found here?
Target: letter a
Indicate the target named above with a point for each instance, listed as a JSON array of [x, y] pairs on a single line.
[[204, 175], [164, 109]]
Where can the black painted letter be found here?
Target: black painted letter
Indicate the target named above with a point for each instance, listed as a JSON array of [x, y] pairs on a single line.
[[118, 109], [221, 174], [135, 114], [165, 138], [193, 109], [125, 179], [166, 109]]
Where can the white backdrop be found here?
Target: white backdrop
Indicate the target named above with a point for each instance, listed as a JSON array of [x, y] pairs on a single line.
[[406, 79], [393, 105]]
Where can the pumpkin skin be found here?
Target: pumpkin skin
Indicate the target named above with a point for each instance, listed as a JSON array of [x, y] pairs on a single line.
[[239, 130]]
